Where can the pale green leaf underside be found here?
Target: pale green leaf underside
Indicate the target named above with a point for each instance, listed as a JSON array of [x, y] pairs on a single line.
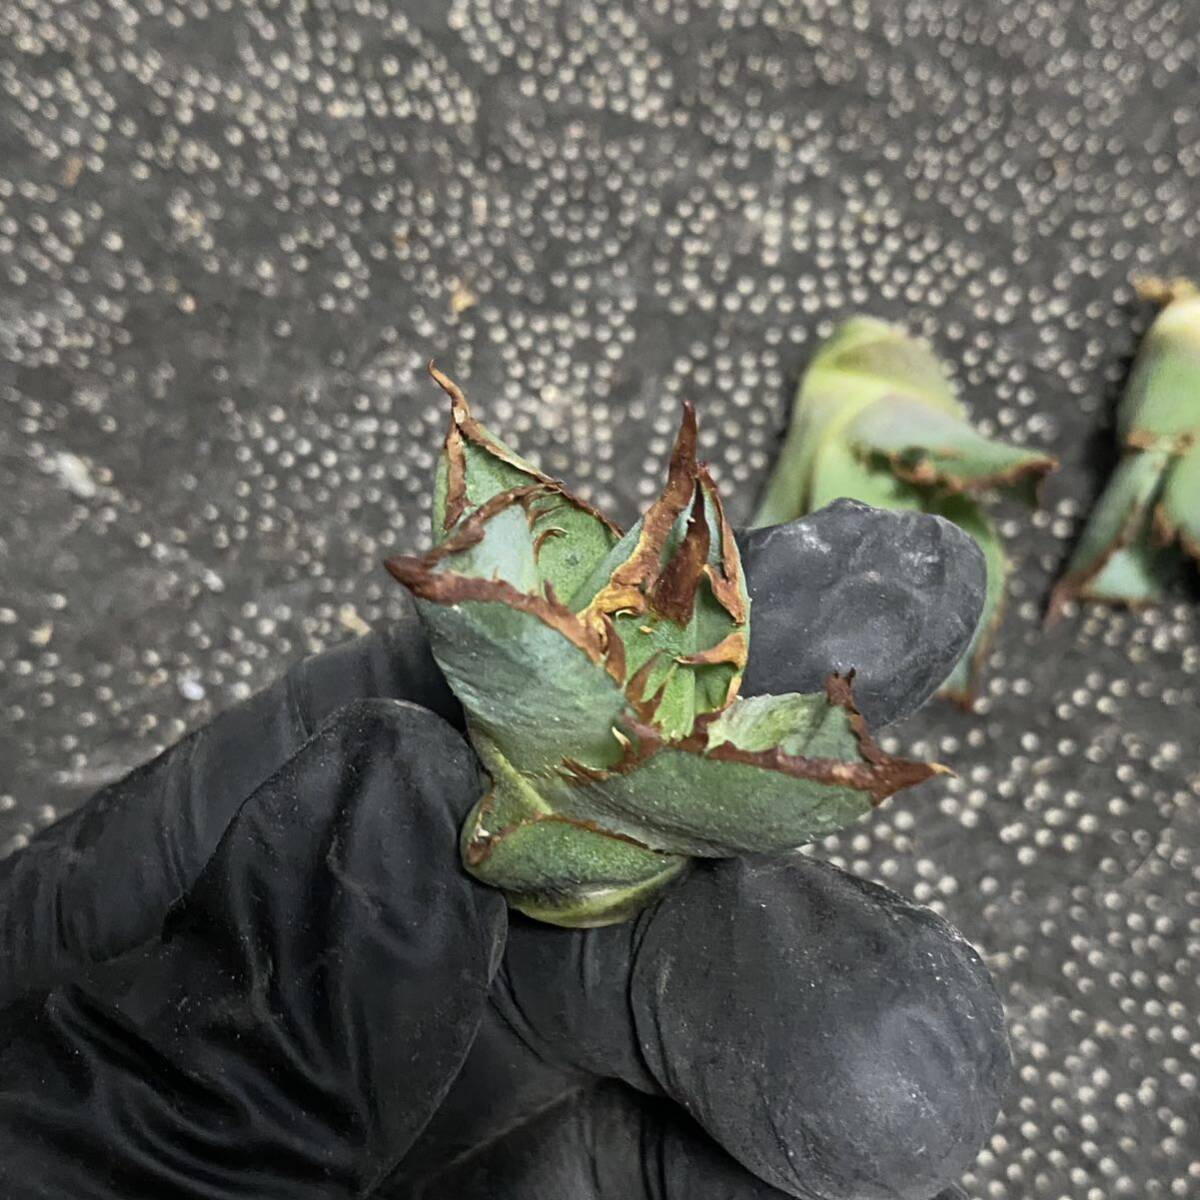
[[842, 471], [863, 362], [1161, 402], [1135, 574], [1180, 500], [1114, 558], [898, 363], [937, 448]]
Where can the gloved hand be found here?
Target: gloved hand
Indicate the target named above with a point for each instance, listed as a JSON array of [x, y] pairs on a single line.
[[254, 967]]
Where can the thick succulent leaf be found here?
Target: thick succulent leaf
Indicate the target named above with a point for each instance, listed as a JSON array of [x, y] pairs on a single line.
[[864, 361], [1115, 558], [1138, 573], [525, 685], [930, 447], [673, 592], [1178, 512], [568, 541], [960, 684], [842, 472], [1161, 404], [899, 363], [564, 871], [552, 866], [529, 674], [769, 773], [569, 536]]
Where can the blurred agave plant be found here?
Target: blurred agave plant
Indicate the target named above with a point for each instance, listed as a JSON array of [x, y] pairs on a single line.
[[599, 674], [875, 419], [1127, 551]]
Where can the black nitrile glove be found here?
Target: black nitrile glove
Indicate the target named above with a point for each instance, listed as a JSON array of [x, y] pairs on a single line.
[[256, 968]]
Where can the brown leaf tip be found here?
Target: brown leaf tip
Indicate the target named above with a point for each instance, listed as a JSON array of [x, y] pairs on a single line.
[[674, 594], [890, 774], [1164, 291], [458, 402], [684, 451]]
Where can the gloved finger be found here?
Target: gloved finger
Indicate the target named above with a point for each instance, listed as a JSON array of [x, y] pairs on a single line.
[[601, 1143], [63, 902], [837, 1040], [309, 1003], [894, 595]]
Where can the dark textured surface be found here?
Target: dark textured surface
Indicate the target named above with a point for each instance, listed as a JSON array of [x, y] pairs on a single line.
[[893, 597], [890, 1107], [232, 232]]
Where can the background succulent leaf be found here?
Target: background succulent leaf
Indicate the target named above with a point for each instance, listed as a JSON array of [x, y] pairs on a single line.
[[864, 361], [1152, 500], [1160, 406], [939, 449], [1178, 514], [1116, 557], [875, 419], [843, 471]]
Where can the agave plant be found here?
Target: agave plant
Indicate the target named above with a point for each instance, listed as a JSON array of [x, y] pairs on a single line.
[[876, 419], [1127, 552], [599, 674]]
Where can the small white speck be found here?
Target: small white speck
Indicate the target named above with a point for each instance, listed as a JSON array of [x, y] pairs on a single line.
[[74, 473]]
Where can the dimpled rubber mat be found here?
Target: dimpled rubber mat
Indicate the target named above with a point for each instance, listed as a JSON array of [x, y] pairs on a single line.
[[233, 231]]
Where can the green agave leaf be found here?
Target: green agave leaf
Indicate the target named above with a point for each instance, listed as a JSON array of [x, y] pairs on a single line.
[[932, 448], [1125, 554], [567, 872], [569, 536], [843, 471], [673, 593], [767, 774], [1160, 407], [530, 675], [599, 676], [864, 361], [1135, 574], [1178, 512], [1116, 557]]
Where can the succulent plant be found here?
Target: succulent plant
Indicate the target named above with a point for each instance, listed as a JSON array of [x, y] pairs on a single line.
[[875, 419], [1127, 551], [599, 674]]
